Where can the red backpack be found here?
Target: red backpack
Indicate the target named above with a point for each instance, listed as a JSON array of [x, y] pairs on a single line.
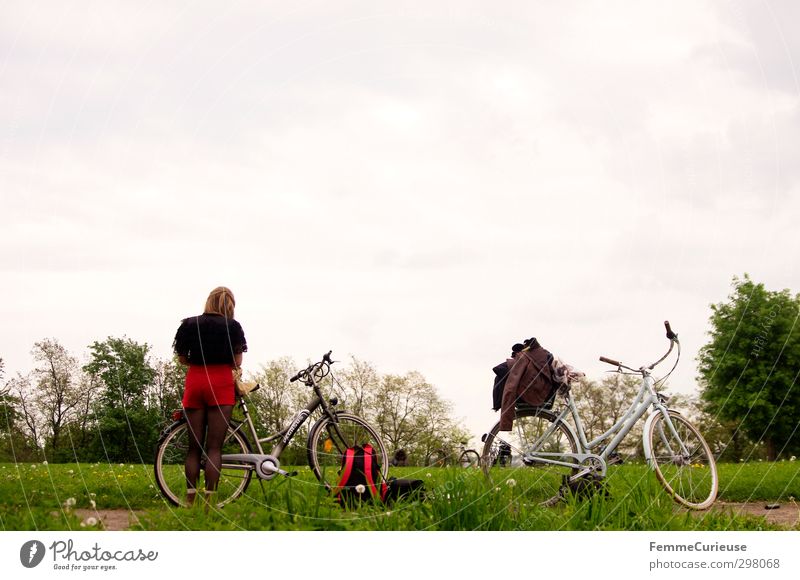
[[361, 480]]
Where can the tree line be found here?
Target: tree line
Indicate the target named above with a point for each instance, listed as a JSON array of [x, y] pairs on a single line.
[[113, 407]]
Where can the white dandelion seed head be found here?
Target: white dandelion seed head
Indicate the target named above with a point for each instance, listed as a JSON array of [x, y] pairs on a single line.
[[44, 462], [793, 458], [427, 475], [360, 488], [70, 502], [93, 503], [511, 482]]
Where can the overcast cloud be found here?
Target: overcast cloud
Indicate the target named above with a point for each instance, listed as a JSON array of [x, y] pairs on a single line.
[[417, 186]]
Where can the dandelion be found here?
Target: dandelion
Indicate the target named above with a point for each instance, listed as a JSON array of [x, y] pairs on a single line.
[[89, 522], [44, 462], [792, 458], [511, 482], [427, 475], [33, 466], [71, 471], [388, 513], [93, 504], [496, 489], [70, 502], [95, 495], [360, 488]]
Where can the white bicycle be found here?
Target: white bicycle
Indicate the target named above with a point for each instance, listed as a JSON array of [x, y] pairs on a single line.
[[559, 457]]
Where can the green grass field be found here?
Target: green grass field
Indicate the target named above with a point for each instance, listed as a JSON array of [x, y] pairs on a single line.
[[56, 497]]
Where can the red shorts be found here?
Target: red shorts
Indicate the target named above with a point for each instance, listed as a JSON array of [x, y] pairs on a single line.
[[208, 386]]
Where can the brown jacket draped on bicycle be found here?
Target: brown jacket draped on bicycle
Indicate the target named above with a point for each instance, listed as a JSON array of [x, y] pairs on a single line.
[[529, 381]]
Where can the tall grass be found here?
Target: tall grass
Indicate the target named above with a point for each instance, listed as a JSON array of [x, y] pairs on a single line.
[[50, 497]]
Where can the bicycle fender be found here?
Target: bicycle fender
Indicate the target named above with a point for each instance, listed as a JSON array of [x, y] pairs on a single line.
[[648, 451]]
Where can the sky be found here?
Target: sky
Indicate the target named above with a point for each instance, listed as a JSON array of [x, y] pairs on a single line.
[[418, 185]]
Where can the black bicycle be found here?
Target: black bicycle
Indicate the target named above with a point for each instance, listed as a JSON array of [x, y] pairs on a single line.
[[329, 437], [441, 458]]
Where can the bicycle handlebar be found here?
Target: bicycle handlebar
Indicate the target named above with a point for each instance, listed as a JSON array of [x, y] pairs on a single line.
[[673, 340], [326, 360]]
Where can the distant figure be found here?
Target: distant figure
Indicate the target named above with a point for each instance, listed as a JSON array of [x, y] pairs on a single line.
[[504, 457], [400, 458]]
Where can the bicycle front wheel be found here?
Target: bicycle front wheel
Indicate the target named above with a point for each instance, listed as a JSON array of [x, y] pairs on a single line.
[[437, 458], [683, 461], [171, 458], [469, 458], [329, 439], [509, 458]]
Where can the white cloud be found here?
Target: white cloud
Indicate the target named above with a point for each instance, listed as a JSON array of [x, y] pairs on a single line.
[[419, 185]]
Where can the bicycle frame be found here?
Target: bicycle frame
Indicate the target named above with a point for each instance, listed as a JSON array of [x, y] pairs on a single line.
[[646, 399], [267, 465]]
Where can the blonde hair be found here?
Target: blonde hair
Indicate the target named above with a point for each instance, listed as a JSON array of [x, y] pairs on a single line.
[[220, 301]]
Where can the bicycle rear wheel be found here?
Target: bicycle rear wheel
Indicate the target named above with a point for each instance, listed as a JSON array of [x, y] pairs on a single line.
[[329, 439], [469, 458], [683, 461], [171, 457], [534, 430]]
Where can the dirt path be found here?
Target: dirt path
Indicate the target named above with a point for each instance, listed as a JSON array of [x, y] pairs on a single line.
[[786, 516], [111, 520]]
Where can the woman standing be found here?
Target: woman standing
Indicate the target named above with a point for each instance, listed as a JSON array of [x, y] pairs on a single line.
[[211, 345]]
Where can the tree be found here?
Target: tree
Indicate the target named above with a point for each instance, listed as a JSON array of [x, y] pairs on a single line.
[[166, 391], [273, 403], [749, 368], [56, 394], [358, 384], [411, 415], [126, 428], [14, 445]]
